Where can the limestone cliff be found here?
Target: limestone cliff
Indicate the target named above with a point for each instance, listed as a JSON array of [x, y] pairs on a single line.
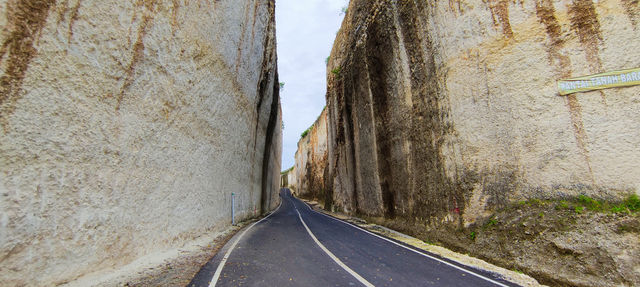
[[126, 125], [449, 101], [440, 113], [311, 162]]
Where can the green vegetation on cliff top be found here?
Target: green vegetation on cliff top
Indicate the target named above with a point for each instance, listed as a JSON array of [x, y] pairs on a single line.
[[306, 132], [286, 170]]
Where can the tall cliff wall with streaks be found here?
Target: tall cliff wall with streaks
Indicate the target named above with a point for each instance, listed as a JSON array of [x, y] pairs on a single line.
[[126, 125], [442, 113], [311, 162]]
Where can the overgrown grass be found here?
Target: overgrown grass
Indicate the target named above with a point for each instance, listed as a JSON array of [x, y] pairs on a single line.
[[582, 203]]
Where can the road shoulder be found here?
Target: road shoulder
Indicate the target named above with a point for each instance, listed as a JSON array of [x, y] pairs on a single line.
[[509, 275]]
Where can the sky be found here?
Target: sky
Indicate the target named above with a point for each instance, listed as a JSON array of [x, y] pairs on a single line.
[[305, 30]]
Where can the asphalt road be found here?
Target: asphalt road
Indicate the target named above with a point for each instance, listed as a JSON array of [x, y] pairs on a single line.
[[296, 246]]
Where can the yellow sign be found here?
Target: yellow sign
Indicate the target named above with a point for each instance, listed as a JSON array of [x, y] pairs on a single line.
[[606, 80]]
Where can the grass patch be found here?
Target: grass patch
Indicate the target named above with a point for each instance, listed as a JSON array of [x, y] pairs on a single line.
[[590, 203], [490, 222], [562, 205], [632, 203], [582, 203], [517, 271], [336, 71]]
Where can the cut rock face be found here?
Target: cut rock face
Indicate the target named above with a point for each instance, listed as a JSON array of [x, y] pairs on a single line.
[[442, 113], [126, 126]]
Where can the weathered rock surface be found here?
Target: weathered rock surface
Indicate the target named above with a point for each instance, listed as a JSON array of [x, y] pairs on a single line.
[[440, 113], [288, 178], [310, 169], [126, 125], [452, 101]]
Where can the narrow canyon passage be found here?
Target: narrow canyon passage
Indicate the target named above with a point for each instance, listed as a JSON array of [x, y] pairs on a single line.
[[296, 246]]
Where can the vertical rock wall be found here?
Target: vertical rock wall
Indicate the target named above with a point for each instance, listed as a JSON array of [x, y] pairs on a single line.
[[126, 125], [311, 162], [441, 115], [444, 110]]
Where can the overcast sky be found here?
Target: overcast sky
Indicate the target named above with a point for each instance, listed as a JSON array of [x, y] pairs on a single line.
[[305, 30]]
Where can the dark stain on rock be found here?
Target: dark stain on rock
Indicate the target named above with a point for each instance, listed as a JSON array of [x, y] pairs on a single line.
[[562, 64], [73, 18], [584, 22], [25, 18], [575, 111], [632, 8], [455, 5], [380, 61], [138, 47], [241, 40], [349, 118], [266, 156], [174, 15], [267, 55], [546, 15], [497, 185], [273, 110], [253, 24], [500, 14], [431, 186], [407, 144]]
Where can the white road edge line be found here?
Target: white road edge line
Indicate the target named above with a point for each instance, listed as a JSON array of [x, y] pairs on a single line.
[[336, 259], [411, 249], [216, 276]]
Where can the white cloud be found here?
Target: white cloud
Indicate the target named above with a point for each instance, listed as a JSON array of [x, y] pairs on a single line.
[[305, 33]]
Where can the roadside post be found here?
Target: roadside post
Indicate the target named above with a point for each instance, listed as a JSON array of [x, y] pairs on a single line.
[[233, 209]]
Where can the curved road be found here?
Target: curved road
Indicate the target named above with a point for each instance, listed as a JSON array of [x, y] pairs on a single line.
[[296, 246]]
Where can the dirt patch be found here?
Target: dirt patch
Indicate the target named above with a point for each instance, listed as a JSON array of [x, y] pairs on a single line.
[[558, 243]]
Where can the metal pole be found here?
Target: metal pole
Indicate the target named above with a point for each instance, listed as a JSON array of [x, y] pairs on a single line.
[[233, 209]]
